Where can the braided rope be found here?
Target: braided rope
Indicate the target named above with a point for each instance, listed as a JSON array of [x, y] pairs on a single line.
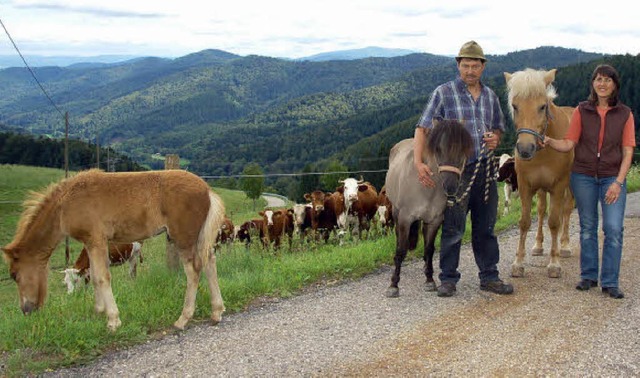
[[491, 172]]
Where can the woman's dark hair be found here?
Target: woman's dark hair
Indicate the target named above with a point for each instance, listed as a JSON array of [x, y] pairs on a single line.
[[610, 72]]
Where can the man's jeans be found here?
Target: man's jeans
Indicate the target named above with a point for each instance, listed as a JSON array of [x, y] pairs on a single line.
[[483, 219]]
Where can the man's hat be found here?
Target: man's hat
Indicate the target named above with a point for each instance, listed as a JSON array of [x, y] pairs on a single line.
[[471, 50]]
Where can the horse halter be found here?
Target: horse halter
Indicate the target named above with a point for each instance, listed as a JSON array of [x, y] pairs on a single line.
[[539, 136]]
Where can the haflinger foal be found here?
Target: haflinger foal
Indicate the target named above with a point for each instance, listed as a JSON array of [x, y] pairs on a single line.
[[95, 208]]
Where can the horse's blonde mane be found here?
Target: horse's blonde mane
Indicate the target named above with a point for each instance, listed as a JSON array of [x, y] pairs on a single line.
[[529, 83], [35, 201]]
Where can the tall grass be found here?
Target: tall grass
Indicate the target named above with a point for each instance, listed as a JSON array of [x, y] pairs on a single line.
[[67, 331]]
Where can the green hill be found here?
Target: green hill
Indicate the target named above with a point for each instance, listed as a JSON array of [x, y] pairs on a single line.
[[221, 111]]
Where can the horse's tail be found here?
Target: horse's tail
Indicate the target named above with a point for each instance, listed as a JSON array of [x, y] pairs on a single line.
[[210, 227]]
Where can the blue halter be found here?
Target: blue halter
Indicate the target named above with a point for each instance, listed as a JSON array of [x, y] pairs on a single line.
[[539, 136]]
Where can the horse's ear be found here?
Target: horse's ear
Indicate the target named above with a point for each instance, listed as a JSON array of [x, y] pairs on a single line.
[[550, 76], [507, 76], [9, 254]]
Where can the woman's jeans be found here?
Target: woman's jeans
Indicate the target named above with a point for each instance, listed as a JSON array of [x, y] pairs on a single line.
[[483, 219], [589, 192]]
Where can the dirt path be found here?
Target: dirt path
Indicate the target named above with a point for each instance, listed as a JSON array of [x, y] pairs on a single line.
[[547, 328]]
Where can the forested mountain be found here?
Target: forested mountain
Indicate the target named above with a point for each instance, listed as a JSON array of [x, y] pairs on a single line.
[[221, 111]]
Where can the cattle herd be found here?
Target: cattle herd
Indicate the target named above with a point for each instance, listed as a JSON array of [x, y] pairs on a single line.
[[353, 209]]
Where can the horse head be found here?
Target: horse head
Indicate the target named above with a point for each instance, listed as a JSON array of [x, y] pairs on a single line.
[[530, 94], [449, 145], [30, 273]]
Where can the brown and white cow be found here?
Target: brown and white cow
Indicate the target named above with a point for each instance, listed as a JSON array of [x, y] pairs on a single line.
[[325, 208], [360, 203], [118, 254], [302, 219], [226, 233], [507, 174], [385, 209], [276, 224], [249, 229]]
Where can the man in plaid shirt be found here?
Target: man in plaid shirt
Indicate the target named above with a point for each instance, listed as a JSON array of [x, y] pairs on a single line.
[[467, 100]]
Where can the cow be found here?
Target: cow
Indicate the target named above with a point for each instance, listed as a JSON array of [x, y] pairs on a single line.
[[325, 210], [384, 211], [507, 174], [225, 233], [247, 230], [276, 224], [302, 219], [118, 254], [360, 203]]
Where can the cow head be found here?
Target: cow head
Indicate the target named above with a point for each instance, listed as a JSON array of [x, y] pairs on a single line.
[[316, 200], [350, 188]]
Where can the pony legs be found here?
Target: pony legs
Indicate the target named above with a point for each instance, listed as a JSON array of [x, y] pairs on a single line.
[[193, 276], [101, 278], [538, 248], [517, 268], [565, 248], [403, 233], [217, 305], [429, 232]]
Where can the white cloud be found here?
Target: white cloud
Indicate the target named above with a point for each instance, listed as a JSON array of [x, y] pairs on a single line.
[[300, 28]]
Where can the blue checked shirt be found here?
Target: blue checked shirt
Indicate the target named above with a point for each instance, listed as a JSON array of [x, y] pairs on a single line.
[[452, 100]]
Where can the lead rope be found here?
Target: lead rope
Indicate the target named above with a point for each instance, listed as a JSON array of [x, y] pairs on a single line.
[[491, 172]]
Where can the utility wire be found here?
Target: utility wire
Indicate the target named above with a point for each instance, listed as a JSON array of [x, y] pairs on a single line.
[[293, 174], [29, 68]]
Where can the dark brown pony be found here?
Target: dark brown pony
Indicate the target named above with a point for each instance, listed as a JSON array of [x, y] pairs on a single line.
[[95, 208], [448, 146], [544, 170]]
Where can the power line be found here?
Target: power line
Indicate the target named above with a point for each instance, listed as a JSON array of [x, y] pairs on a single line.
[[293, 174], [29, 68]]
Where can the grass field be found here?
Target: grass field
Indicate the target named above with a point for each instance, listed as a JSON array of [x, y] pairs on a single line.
[[67, 331]]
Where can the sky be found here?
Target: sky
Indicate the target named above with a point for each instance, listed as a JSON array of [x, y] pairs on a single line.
[[299, 28]]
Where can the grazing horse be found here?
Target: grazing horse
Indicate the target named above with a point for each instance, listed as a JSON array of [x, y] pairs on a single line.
[[448, 146], [95, 208], [540, 171]]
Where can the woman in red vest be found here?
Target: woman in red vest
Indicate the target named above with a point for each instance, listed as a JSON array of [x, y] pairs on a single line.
[[602, 134]]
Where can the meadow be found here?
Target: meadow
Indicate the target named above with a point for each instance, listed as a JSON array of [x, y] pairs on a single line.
[[67, 331]]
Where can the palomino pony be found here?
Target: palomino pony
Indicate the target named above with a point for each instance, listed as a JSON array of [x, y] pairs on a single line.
[[95, 208], [544, 170], [448, 146]]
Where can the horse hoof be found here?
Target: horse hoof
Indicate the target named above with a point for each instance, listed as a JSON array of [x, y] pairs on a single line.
[[517, 271], [431, 286], [554, 271], [392, 292], [565, 253], [537, 251]]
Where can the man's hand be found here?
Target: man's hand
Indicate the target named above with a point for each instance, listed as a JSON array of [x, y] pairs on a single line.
[[491, 140], [424, 175]]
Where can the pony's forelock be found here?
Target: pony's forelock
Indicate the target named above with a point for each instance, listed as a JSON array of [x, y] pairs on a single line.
[[527, 84]]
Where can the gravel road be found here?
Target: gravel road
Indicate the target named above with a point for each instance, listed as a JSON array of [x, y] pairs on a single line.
[[546, 328]]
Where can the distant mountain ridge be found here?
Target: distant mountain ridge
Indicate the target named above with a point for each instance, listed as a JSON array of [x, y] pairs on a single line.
[[222, 111], [365, 52], [7, 61]]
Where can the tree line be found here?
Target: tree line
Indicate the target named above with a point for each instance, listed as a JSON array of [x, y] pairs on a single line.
[[42, 151]]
